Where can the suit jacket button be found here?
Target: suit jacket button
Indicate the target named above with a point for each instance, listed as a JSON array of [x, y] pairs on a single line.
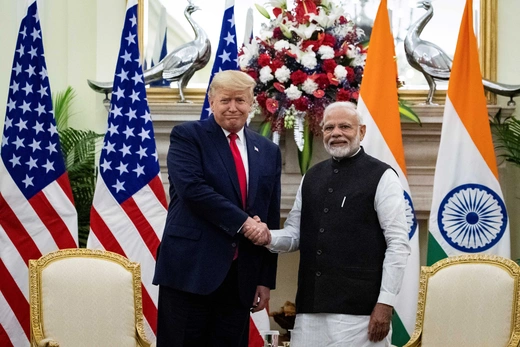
[[234, 244], [318, 273]]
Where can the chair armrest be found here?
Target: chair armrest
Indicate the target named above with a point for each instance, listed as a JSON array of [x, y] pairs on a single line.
[[47, 342], [415, 341], [142, 340]]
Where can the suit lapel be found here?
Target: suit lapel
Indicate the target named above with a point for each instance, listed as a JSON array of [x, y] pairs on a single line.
[[221, 144]]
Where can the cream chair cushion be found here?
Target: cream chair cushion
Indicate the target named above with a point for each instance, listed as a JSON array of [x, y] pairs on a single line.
[[469, 305], [468, 301], [86, 299]]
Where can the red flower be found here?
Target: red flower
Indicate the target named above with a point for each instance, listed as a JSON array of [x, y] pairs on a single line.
[[342, 20], [342, 50], [303, 7], [264, 60], [298, 77], [279, 87], [343, 95], [261, 98], [322, 80], [319, 93], [301, 104], [351, 75], [253, 73], [332, 80], [314, 43], [276, 64], [329, 40], [271, 105], [329, 65], [277, 33], [277, 11]]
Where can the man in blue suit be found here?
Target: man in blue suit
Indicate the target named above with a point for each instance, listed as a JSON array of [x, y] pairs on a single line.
[[221, 173]]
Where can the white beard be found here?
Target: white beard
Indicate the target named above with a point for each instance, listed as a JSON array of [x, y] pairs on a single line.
[[344, 151]]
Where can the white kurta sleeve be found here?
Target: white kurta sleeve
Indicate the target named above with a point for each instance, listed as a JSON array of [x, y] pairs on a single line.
[[288, 238], [390, 207]]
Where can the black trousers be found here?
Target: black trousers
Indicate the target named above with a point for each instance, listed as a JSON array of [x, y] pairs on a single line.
[[193, 320]]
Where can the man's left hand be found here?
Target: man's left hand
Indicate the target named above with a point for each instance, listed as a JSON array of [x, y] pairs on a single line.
[[379, 325], [262, 296]]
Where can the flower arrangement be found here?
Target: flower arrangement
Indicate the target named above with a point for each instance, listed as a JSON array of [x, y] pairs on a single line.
[[303, 59]]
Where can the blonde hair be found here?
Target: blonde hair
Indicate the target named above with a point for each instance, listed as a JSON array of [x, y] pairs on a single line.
[[233, 80], [342, 105]]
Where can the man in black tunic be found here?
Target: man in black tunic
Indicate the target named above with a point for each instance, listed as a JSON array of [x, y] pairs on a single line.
[[348, 221]]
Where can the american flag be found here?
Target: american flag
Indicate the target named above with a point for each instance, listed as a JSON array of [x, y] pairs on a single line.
[[227, 51], [129, 207], [37, 213]]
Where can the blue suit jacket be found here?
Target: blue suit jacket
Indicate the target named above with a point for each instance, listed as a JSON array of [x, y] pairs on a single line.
[[205, 211]]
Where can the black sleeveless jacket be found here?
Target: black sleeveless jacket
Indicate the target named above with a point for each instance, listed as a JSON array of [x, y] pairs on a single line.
[[342, 246]]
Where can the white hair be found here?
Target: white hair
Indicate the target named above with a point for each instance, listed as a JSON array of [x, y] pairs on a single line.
[[342, 105]]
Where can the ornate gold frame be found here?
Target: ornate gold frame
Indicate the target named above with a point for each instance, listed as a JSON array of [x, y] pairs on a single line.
[[488, 62], [35, 271], [428, 271]]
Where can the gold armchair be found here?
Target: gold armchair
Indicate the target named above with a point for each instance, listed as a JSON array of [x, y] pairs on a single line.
[[469, 300], [83, 297]]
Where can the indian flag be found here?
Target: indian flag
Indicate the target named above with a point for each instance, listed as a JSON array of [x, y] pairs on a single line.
[[379, 107], [468, 213]]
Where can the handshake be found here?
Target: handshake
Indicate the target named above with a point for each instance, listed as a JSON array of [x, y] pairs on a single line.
[[256, 231]]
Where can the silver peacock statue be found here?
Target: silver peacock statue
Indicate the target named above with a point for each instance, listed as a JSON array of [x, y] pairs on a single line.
[[435, 64], [179, 65]]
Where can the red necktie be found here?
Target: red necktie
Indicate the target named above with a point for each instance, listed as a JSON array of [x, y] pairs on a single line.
[[239, 165]]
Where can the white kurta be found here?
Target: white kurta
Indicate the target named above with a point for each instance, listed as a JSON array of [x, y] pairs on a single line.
[[325, 329]]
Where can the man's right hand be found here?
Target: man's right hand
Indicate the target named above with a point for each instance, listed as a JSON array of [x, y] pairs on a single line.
[[256, 231]]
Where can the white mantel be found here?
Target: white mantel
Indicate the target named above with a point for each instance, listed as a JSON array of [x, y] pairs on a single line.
[[421, 144]]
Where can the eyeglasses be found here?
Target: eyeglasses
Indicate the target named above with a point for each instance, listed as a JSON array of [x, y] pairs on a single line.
[[344, 128]]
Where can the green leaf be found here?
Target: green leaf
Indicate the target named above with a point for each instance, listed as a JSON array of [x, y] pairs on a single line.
[[263, 11], [79, 153], [265, 129], [507, 137], [407, 112], [62, 103], [305, 156], [285, 31]]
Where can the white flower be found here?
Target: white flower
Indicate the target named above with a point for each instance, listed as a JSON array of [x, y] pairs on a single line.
[[282, 44], [282, 74], [305, 31], [265, 74], [266, 34], [250, 51], [326, 20], [293, 92], [340, 72], [360, 32], [243, 61], [308, 59], [343, 30], [360, 59], [293, 49], [278, 3], [355, 53], [309, 86], [352, 52], [326, 52]]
